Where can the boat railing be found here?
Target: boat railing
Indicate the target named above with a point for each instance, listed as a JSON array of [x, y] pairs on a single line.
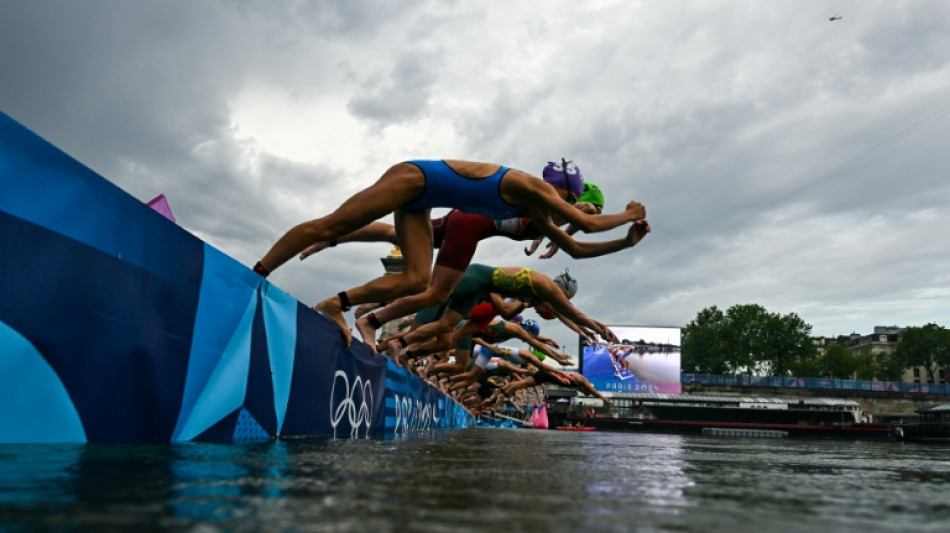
[[815, 383]]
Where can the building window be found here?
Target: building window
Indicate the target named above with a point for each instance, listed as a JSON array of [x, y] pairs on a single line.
[[916, 373]]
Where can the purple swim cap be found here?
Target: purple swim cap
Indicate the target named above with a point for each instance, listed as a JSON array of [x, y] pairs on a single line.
[[564, 175]]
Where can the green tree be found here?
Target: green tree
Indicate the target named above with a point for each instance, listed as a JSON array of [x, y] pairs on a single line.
[[839, 362], [788, 345], [745, 333], [867, 364], [704, 343], [927, 346], [746, 339], [890, 367], [808, 367]]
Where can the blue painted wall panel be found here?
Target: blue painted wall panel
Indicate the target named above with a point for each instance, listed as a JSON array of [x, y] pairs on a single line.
[[122, 327], [126, 380]]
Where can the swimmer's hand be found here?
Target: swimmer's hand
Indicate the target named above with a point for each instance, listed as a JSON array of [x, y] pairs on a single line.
[[588, 336], [636, 210], [531, 248], [638, 230], [605, 333], [552, 249]]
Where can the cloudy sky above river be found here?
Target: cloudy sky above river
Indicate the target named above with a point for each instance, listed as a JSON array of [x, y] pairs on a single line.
[[785, 159]]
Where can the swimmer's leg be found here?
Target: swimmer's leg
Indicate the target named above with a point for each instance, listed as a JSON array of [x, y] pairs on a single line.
[[398, 186], [443, 281], [372, 232], [415, 233]]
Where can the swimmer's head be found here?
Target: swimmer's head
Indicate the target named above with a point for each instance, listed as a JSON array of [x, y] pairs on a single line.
[[565, 175], [566, 283], [532, 327], [592, 195]]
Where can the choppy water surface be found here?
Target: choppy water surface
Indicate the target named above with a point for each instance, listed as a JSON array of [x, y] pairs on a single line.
[[491, 480]]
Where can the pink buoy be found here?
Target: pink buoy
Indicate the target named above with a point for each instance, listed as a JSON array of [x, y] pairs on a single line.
[[541, 420]]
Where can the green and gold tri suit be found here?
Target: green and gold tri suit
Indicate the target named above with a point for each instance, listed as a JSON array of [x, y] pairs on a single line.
[[476, 283]]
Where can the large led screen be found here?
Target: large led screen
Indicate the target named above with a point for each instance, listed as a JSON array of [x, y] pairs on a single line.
[[646, 360]]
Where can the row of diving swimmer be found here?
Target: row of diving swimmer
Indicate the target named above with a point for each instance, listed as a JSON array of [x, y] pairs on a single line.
[[456, 312]]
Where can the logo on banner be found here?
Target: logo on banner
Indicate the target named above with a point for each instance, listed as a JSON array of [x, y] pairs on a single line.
[[356, 405], [414, 415]]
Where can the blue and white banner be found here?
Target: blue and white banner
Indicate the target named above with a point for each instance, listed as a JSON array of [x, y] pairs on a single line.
[[116, 325]]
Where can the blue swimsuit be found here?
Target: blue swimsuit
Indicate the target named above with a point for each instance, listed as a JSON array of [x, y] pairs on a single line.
[[447, 188]]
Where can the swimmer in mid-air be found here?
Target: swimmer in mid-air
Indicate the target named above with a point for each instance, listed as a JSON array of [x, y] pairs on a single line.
[[458, 233], [550, 297], [409, 190], [572, 380]]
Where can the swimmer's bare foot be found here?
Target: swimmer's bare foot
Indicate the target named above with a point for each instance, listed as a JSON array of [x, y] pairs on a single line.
[[368, 332], [362, 309], [393, 347], [331, 309]]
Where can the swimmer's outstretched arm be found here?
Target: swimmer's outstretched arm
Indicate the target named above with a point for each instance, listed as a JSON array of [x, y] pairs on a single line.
[[547, 340], [517, 331], [513, 386], [552, 294], [579, 249], [584, 385], [585, 335], [491, 347], [507, 310], [543, 201], [570, 230], [596, 223], [512, 369], [529, 357]]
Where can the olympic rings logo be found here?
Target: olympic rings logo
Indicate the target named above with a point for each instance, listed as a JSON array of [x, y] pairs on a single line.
[[357, 411]]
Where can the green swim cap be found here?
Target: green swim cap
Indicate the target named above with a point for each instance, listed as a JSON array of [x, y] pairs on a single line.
[[539, 354], [591, 195]]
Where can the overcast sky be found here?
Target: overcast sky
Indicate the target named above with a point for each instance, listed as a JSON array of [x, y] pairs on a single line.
[[784, 159]]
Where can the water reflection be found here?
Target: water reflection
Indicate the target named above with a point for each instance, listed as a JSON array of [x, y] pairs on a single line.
[[30, 472], [646, 468], [479, 480]]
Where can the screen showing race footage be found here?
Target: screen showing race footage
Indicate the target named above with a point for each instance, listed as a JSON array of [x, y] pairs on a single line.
[[647, 359]]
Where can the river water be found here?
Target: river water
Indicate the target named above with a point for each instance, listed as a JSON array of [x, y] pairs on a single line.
[[483, 480]]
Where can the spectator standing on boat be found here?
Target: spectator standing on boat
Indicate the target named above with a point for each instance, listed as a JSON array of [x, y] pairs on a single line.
[[409, 190]]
